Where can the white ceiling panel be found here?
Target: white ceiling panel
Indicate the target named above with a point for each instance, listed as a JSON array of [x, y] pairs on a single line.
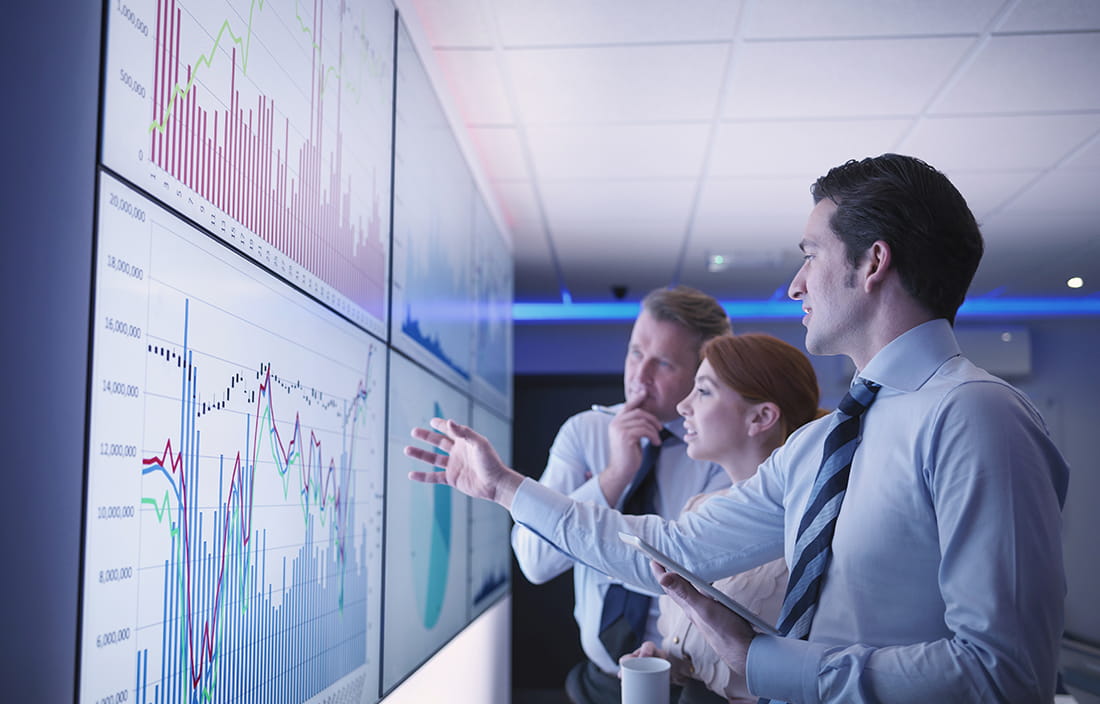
[[1052, 16], [1028, 73], [783, 147], [501, 152], [840, 78], [528, 23], [618, 84], [477, 87], [539, 282], [616, 243], [593, 152], [1088, 157], [861, 18], [574, 205], [591, 278], [1039, 231], [1038, 141], [734, 211], [455, 23], [987, 192], [617, 134], [519, 206], [1066, 192]]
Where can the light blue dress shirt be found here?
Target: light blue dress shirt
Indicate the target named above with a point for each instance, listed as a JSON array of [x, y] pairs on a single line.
[[578, 455], [946, 582]]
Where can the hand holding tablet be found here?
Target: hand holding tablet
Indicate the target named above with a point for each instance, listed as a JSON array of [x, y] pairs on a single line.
[[699, 583]]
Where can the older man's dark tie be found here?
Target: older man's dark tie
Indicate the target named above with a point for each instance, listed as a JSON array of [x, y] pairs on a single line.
[[622, 624]]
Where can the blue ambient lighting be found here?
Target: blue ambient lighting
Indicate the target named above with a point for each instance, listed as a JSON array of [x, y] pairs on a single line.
[[792, 310]]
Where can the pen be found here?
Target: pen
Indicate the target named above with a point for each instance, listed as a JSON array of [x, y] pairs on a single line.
[[603, 409]]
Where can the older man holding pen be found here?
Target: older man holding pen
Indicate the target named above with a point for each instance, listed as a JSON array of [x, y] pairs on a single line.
[[630, 457]]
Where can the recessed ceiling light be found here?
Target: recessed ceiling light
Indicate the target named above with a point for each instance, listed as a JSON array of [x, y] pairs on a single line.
[[1075, 282], [718, 262]]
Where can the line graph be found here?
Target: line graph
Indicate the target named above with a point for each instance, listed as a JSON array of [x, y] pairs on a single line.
[[235, 477], [269, 126]]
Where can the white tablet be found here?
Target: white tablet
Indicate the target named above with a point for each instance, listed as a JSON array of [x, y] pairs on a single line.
[[699, 583]]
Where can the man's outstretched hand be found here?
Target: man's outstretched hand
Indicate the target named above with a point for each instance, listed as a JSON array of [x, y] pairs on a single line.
[[468, 460]]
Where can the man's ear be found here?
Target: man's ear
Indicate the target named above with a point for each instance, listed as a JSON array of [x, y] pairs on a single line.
[[877, 262]]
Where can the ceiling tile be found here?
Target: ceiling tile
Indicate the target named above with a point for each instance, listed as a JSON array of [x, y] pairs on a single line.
[[746, 212], [786, 147], [1088, 157], [782, 79], [1010, 115], [454, 23], [1007, 230], [519, 207], [986, 192], [619, 151], [858, 18], [583, 22], [1062, 191], [1018, 265], [1052, 16], [535, 281], [591, 272], [617, 84], [1028, 73], [581, 206], [500, 152], [1038, 141], [476, 86]]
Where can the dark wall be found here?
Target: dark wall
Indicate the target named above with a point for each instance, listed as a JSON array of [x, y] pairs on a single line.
[[46, 207], [545, 640]]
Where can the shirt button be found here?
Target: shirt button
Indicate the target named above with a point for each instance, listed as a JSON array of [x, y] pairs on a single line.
[[676, 639]]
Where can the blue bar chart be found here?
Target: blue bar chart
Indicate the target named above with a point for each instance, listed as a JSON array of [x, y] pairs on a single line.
[[237, 454]]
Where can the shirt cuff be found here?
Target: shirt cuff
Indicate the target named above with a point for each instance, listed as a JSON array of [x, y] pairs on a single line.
[[539, 507], [784, 669]]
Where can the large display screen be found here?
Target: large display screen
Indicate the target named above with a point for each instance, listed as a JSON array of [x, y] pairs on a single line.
[[267, 123], [250, 532], [235, 475], [426, 531]]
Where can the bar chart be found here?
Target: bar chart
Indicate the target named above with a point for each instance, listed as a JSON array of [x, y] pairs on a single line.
[[237, 460], [269, 126]]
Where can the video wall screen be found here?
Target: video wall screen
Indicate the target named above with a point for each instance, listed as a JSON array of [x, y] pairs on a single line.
[[250, 532]]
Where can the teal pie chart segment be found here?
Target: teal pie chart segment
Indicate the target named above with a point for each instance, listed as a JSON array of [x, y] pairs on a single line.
[[430, 517]]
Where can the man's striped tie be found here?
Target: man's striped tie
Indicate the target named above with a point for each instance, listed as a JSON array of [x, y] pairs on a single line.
[[815, 534], [813, 547]]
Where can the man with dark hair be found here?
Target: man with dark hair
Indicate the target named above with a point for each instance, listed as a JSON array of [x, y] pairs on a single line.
[[921, 522], [934, 240], [596, 457]]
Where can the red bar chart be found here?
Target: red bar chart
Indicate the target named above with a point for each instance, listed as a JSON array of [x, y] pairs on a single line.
[[270, 127]]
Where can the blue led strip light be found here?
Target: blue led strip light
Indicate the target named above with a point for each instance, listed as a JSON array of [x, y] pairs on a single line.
[[792, 310]]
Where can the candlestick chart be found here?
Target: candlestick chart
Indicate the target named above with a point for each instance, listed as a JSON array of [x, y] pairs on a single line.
[[233, 541]]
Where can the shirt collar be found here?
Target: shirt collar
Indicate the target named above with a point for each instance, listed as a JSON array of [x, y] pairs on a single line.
[[676, 427], [911, 359]]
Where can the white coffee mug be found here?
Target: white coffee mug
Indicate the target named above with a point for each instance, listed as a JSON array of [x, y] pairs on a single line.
[[645, 680]]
